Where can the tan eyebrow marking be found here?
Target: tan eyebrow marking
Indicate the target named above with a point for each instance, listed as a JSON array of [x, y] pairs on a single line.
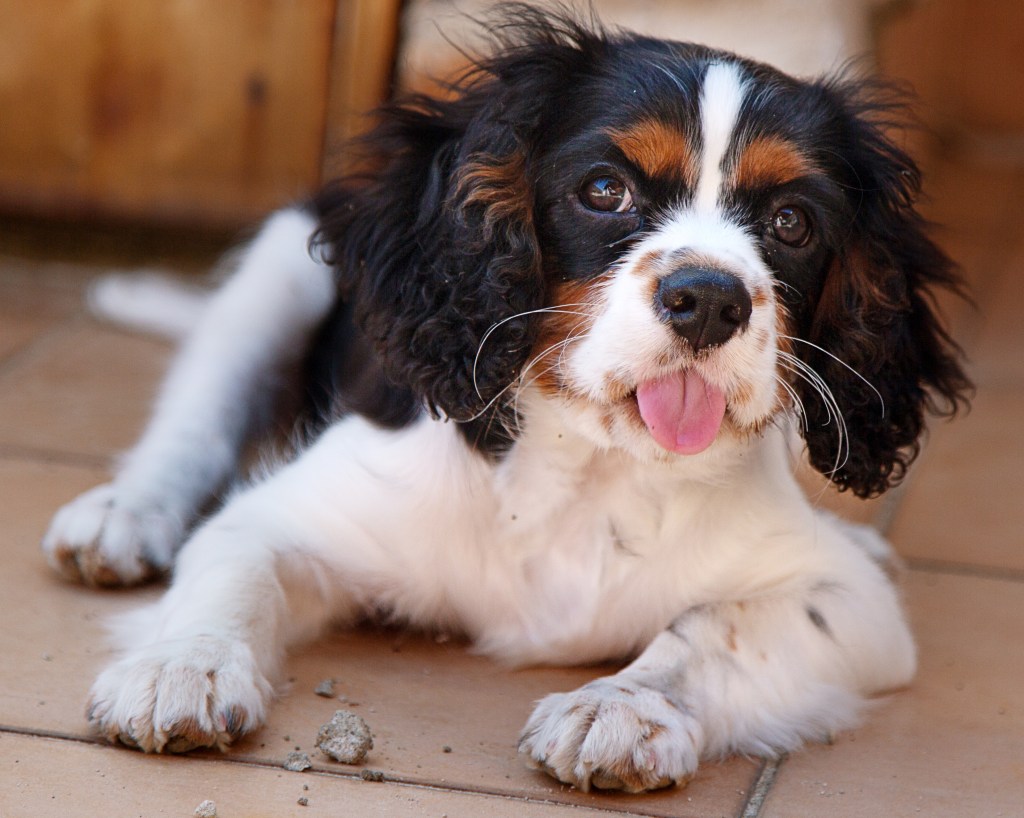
[[658, 149], [770, 160]]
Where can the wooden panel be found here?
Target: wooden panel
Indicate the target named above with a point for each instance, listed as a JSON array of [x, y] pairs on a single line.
[[964, 59], [178, 109], [366, 35]]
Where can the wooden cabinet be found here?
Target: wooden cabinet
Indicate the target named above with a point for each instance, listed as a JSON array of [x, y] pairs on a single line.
[[187, 111]]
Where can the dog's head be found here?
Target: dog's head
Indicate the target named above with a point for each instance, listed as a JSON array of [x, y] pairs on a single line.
[[670, 242]]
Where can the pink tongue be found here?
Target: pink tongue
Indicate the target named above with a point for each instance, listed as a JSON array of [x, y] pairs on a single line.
[[683, 412]]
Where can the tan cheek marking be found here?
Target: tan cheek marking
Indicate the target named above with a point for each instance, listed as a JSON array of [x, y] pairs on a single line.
[[649, 264], [651, 269], [769, 161], [741, 395], [608, 423], [658, 149], [760, 299], [784, 328], [783, 331], [574, 304], [614, 389]]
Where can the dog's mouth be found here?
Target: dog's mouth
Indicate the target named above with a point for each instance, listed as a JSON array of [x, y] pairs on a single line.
[[681, 410]]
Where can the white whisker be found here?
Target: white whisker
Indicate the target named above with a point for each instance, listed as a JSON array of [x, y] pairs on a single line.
[[784, 285], [577, 333], [798, 405], [563, 309], [838, 360], [560, 310], [807, 373]]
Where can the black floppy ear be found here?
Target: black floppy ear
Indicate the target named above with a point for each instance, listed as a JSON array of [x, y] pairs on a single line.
[[435, 247], [881, 347]]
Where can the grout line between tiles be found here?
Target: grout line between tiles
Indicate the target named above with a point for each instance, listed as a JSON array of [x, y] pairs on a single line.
[[37, 346], [330, 774], [40, 732], [964, 569], [52, 457], [762, 787]]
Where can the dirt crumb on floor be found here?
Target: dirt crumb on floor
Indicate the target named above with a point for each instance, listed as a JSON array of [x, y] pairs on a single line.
[[345, 738], [207, 809], [326, 688], [297, 762]]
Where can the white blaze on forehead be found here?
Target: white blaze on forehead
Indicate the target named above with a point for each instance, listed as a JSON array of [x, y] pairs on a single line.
[[720, 101]]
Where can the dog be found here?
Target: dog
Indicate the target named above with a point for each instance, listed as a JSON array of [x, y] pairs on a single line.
[[551, 347]]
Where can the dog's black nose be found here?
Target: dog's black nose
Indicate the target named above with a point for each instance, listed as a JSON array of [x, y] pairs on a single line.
[[704, 305]]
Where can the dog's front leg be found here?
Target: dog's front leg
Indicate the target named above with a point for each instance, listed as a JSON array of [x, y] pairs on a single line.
[[635, 731], [198, 666], [756, 677], [277, 563]]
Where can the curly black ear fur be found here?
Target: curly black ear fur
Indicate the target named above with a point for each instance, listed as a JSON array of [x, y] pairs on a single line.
[[435, 246], [883, 350]]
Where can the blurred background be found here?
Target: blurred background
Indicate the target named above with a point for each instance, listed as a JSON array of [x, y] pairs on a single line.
[[207, 114]]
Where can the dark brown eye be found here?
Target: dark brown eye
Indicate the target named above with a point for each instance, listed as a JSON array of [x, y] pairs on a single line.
[[791, 226], [607, 194]]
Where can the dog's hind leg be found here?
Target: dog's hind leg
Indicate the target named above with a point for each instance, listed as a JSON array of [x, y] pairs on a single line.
[[217, 394]]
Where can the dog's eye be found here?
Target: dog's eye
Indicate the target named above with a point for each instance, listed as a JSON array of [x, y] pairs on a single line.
[[607, 195], [791, 226]]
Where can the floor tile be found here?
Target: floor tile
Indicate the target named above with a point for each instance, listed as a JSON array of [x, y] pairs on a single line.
[[953, 744], [42, 289], [997, 358], [84, 390], [418, 695], [974, 208], [422, 699], [53, 778], [54, 629], [962, 504], [17, 331], [978, 261], [34, 298]]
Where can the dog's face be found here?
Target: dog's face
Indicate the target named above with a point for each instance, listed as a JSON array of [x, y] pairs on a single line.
[[672, 233], [670, 243]]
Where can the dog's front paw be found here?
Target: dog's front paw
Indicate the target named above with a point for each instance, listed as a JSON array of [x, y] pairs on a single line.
[[177, 696], [97, 540], [613, 734]]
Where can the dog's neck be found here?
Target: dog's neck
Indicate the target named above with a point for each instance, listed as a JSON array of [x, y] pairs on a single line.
[[557, 441]]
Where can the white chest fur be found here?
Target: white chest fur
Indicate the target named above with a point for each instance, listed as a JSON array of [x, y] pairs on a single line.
[[561, 551]]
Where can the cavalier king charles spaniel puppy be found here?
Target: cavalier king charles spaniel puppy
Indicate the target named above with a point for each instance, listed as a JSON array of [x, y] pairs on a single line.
[[553, 344]]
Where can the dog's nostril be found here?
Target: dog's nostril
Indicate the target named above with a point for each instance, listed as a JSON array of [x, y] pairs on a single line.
[[733, 314], [703, 305], [679, 302]]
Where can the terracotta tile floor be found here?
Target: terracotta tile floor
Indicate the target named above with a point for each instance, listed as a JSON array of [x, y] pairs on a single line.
[[73, 393]]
